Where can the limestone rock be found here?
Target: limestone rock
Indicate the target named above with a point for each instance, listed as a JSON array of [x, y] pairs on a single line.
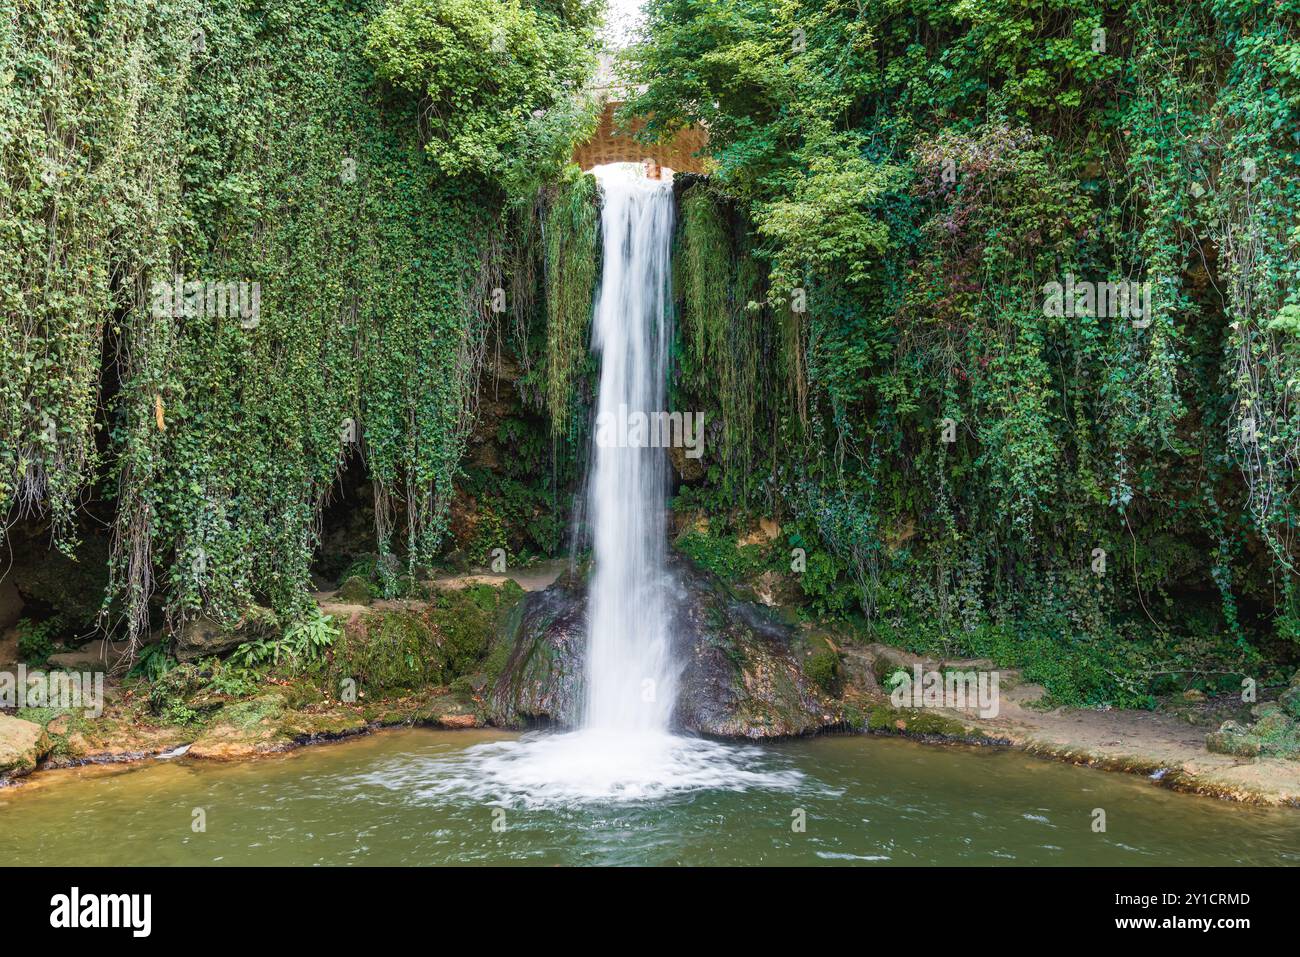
[[22, 745], [1234, 739], [92, 656]]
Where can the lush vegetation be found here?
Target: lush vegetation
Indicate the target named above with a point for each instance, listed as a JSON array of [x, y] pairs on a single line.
[[346, 176], [372, 198], [1107, 498]]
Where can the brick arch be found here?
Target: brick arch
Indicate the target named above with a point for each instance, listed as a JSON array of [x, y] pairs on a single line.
[[609, 147]]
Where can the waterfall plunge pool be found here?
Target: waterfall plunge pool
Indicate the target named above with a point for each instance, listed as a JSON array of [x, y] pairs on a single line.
[[425, 797]]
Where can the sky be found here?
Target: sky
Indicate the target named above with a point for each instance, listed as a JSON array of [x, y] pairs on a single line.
[[621, 20]]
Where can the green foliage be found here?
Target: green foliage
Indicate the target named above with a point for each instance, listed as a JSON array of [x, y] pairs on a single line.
[[730, 349], [145, 140], [302, 646], [572, 258], [918, 172], [152, 663], [36, 639], [721, 555], [501, 80], [170, 692], [230, 680]]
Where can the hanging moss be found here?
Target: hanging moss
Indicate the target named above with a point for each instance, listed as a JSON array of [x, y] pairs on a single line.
[[572, 264], [730, 350]]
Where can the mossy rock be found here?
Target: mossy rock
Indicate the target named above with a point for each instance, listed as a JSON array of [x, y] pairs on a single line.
[[64, 727], [742, 675], [822, 668], [256, 712], [387, 651], [1289, 701], [1273, 725], [22, 745], [205, 637], [1234, 739], [355, 590], [405, 649], [1237, 745]]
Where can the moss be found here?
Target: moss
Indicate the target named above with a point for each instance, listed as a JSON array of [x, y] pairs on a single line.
[[854, 718], [247, 715], [882, 718], [386, 651], [416, 647], [1289, 701], [822, 668], [927, 722], [1229, 742], [355, 590], [885, 718]]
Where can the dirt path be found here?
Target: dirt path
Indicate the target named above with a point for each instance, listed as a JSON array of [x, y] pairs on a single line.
[[1166, 747]]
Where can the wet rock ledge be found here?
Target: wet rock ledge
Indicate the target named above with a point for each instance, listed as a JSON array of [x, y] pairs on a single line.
[[743, 674]]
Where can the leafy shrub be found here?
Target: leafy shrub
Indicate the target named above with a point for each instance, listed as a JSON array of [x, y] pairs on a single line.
[[501, 78], [301, 647], [36, 640]]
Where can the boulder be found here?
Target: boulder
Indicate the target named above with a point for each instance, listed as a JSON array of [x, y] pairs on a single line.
[[92, 656], [354, 591], [22, 745], [1289, 701], [542, 678], [1234, 739], [204, 637], [741, 673], [689, 469]]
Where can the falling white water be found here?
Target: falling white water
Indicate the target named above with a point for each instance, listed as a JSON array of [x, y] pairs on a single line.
[[631, 682], [625, 750]]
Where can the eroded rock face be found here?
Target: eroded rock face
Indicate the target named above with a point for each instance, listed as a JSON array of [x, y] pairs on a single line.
[[740, 678], [543, 679]]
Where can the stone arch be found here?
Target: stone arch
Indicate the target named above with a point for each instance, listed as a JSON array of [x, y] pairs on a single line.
[[607, 146]]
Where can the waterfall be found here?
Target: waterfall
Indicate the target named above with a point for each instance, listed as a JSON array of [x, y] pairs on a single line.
[[625, 749], [631, 682]]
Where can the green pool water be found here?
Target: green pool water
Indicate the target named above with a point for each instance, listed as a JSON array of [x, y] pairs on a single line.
[[385, 799]]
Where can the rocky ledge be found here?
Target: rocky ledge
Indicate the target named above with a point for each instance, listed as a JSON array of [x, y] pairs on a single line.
[[743, 673]]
